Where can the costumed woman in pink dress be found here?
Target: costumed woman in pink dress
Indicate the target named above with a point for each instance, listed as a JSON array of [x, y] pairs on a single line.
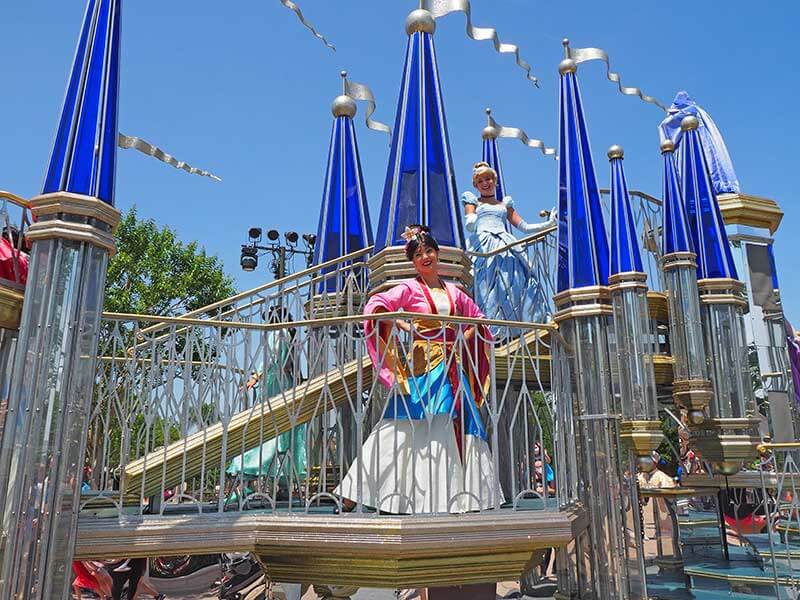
[[430, 451]]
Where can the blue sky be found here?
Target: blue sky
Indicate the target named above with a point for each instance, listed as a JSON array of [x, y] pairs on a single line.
[[242, 89]]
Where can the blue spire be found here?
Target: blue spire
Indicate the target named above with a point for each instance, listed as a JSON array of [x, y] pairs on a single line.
[[420, 182], [625, 254], [344, 224], [714, 257], [583, 254], [85, 149], [491, 155], [675, 237]]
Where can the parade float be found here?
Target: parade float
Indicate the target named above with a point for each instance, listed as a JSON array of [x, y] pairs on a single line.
[[235, 425]]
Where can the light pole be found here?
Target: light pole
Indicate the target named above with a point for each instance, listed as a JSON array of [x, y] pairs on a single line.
[[280, 253]]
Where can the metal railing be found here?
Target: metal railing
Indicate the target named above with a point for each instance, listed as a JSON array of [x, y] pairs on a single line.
[[647, 220], [217, 415], [15, 217], [780, 484]]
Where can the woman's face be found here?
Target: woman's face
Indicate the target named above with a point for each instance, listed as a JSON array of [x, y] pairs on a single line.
[[426, 260], [485, 184]]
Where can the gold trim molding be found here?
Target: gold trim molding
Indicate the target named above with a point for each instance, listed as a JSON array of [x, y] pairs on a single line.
[[753, 211], [675, 260], [363, 550], [390, 265], [47, 207], [74, 204], [627, 280], [10, 307], [658, 306], [722, 291]]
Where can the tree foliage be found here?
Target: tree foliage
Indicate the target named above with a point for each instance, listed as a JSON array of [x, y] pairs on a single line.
[[154, 272]]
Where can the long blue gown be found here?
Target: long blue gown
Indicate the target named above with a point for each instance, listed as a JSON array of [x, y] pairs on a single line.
[[505, 287]]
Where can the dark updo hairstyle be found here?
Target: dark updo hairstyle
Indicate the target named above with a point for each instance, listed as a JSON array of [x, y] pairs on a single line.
[[420, 236]]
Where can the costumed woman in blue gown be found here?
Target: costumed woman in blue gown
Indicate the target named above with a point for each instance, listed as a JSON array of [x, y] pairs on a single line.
[[505, 285]]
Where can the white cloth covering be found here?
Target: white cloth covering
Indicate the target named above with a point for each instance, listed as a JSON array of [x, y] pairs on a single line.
[[414, 466]]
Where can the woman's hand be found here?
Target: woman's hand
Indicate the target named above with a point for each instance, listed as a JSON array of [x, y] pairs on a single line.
[[403, 325], [469, 333]]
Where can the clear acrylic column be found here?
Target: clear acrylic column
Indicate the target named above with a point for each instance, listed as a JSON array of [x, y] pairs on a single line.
[[45, 436], [598, 454], [691, 386]]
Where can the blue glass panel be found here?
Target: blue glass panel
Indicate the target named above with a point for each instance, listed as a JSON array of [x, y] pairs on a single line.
[[384, 236], [83, 163], [62, 147], [597, 230], [322, 224], [625, 254], [108, 150], [333, 234], [563, 278], [407, 208], [774, 271], [715, 259], [440, 210], [354, 205], [580, 264], [676, 236]]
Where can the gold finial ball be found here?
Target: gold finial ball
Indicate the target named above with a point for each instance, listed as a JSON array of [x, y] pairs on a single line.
[[567, 66], [489, 133], [420, 20], [667, 146], [689, 123], [615, 151], [343, 106]]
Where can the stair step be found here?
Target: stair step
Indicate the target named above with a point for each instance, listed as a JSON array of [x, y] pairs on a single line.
[[669, 588], [736, 573]]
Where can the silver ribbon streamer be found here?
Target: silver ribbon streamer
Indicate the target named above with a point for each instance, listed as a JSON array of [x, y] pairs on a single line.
[[519, 134], [361, 91], [296, 10], [145, 147], [440, 8], [580, 55]]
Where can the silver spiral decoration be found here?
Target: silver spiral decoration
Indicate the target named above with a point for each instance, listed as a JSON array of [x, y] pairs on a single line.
[[440, 8], [519, 134], [361, 91], [580, 55], [296, 10], [145, 147]]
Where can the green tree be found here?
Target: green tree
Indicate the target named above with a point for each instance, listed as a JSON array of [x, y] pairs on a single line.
[[155, 273], [152, 273]]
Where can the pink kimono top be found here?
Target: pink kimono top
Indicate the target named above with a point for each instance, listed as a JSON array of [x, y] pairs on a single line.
[[413, 295]]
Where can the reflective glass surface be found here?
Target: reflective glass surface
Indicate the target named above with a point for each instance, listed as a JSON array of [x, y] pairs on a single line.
[[625, 254]]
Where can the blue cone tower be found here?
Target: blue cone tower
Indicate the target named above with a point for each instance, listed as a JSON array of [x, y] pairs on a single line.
[[691, 389], [420, 181], [582, 385], [728, 436], [344, 224], [491, 155], [641, 427], [43, 443]]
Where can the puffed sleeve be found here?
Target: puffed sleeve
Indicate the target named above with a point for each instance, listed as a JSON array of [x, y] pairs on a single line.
[[396, 299], [469, 198]]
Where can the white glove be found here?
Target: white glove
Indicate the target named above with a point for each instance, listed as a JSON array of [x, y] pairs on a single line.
[[470, 221]]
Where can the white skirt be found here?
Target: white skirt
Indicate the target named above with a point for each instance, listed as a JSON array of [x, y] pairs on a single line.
[[413, 466]]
